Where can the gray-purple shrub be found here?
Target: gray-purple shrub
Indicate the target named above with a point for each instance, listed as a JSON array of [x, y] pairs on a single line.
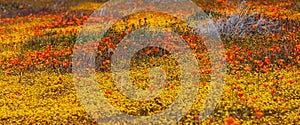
[[241, 24]]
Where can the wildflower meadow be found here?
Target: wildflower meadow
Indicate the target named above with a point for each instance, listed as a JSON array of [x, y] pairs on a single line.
[[45, 46]]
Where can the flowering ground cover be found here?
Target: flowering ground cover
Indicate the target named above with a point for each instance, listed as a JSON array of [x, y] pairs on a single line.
[[262, 50]]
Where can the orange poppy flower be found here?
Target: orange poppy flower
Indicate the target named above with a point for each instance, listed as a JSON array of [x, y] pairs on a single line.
[[238, 87], [273, 56], [240, 94], [265, 85], [265, 69], [172, 87], [273, 91], [247, 68], [229, 120], [254, 99], [65, 64], [56, 62], [197, 117], [291, 81], [255, 26], [48, 63], [259, 114]]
